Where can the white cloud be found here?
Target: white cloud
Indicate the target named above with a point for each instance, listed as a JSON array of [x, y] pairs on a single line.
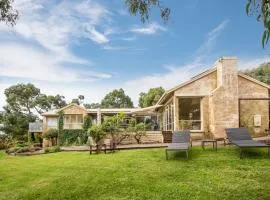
[[97, 37], [149, 29], [210, 41], [54, 25], [40, 41], [21, 61], [132, 38], [249, 63], [177, 74], [109, 47]]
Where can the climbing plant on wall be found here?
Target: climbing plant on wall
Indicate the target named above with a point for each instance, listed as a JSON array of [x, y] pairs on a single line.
[[86, 123], [60, 123]]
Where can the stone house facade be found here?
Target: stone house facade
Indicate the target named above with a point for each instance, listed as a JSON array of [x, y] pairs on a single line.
[[206, 104], [209, 102]]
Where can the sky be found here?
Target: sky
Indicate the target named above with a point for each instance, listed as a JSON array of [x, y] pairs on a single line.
[[91, 47]]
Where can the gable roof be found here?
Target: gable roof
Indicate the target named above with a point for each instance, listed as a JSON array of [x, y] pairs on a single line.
[[253, 80], [55, 111], [195, 78]]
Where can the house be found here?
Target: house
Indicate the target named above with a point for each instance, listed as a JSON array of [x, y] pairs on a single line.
[[209, 102]]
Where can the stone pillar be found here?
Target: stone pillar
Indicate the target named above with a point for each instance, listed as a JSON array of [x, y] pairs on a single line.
[[176, 113], [98, 116], [223, 101]]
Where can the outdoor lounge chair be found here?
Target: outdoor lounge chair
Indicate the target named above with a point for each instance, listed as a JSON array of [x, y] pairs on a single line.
[[242, 139], [181, 141]]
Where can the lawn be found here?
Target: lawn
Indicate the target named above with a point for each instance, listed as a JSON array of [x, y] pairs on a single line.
[[136, 174]]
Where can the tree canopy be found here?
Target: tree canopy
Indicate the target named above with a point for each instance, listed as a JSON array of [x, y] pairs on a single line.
[[261, 73], [91, 105], [7, 13], [24, 102], [117, 99], [261, 10], [26, 98], [143, 8], [151, 97]]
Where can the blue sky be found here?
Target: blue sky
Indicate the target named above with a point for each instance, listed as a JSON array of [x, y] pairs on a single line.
[[90, 47]]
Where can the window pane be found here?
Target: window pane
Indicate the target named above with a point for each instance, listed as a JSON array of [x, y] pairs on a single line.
[[73, 119], [190, 113], [52, 122], [67, 119], [79, 119]]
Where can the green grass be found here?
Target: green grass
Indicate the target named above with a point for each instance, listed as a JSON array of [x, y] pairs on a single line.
[[137, 174]]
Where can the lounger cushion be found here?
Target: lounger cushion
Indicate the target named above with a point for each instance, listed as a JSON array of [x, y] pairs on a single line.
[[178, 146], [236, 134], [249, 143], [181, 137]]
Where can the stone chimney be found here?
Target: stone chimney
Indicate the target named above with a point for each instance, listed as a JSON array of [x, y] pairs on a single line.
[[224, 99]]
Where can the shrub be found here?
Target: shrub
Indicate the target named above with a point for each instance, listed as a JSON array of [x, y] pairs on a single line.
[[86, 123], [138, 130], [5, 141], [70, 137], [12, 150], [53, 149], [23, 150], [96, 132], [50, 133], [47, 150]]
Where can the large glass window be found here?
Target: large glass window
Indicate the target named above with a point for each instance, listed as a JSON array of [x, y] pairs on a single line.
[[169, 117], [73, 121], [52, 122], [190, 113]]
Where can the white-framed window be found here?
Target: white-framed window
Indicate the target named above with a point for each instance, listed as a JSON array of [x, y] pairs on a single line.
[[168, 117], [52, 122], [73, 121], [190, 113]]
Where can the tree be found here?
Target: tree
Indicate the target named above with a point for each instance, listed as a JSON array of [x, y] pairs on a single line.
[[138, 130], [16, 123], [57, 101], [261, 9], [91, 105], [151, 97], [261, 73], [21, 97], [44, 103], [117, 99], [26, 98], [143, 8], [76, 101], [81, 99], [7, 13], [24, 101]]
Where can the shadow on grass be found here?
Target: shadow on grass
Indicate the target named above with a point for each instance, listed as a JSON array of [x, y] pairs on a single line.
[[255, 153]]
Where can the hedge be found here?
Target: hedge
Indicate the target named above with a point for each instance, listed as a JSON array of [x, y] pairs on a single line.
[[73, 137]]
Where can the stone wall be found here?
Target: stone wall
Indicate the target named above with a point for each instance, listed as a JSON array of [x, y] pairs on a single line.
[[249, 108], [200, 87], [223, 103]]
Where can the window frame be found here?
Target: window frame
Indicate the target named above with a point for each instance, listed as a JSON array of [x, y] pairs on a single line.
[[201, 112]]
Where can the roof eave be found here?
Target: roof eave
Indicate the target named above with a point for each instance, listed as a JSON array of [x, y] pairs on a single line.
[[254, 80]]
